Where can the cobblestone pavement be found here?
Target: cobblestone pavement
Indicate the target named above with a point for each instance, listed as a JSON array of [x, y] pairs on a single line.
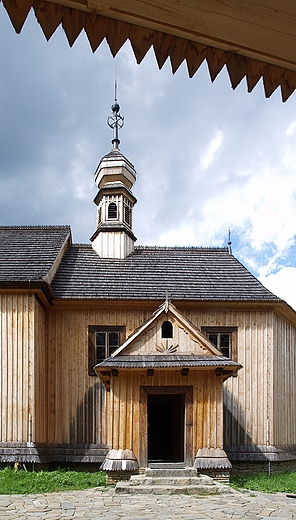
[[104, 504]]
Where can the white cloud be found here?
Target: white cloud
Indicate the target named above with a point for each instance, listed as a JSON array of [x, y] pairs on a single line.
[[184, 235], [291, 129], [208, 157], [265, 201], [283, 284], [82, 184]]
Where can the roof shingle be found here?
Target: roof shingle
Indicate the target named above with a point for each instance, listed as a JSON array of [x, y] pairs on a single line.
[[28, 253], [162, 361], [147, 273]]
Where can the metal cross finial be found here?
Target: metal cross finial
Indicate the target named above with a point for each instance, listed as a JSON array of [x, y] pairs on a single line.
[[229, 243], [115, 121], [167, 302]]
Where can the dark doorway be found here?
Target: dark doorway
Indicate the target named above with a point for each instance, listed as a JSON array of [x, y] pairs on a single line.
[[166, 427]]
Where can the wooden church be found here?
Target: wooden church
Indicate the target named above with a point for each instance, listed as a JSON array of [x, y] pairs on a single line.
[[123, 356]]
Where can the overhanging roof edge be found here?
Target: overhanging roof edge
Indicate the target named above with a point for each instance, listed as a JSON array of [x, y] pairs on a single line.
[[194, 48]]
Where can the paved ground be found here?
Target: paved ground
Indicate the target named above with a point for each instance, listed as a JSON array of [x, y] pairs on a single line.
[[97, 504]]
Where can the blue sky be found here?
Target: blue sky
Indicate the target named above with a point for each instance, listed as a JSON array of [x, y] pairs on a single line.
[[209, 159]]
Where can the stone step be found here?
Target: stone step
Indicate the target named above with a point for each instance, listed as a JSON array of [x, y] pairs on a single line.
[[173, 472], [171, 481], [167, 465], [140, 480], [126, 488]]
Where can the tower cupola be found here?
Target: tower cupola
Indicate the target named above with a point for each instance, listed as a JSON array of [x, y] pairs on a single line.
[[114, 177]]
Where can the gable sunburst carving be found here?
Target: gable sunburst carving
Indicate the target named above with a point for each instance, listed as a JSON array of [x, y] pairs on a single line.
[[166, 348]]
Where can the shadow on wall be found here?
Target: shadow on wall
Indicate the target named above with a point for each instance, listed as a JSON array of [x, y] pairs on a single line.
[[86, 427], [234, 428]]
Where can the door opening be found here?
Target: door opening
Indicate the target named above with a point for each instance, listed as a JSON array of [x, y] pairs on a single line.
[[166, 414]]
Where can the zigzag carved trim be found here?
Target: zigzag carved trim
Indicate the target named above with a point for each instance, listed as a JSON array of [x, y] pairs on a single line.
[[97, 27]]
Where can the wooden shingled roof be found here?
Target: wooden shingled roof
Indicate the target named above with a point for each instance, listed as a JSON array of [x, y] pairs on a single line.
[[44, 258], [254, 40], [186, 273], [164, 361], [31, 253]]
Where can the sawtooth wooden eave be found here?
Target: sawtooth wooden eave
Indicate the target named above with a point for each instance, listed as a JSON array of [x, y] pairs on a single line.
[[253, 42]]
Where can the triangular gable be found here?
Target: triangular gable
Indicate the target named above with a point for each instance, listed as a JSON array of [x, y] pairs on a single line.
[[198, 343]]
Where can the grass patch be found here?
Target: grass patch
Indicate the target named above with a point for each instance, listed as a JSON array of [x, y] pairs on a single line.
[[25, 482], [283, 483]]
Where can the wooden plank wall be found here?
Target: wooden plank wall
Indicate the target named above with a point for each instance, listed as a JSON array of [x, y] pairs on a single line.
[[70, 404], [16, 365], [248, 398], [38, 420], [284, 396], [124, 398], [76, 401]]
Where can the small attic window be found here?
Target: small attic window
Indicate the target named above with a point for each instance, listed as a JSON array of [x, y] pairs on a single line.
[[112, 210], [167, 329]]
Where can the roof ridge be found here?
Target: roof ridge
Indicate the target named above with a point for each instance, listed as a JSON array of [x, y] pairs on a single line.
[[66, 226], [77, 244], [165, 248], [180, 248]]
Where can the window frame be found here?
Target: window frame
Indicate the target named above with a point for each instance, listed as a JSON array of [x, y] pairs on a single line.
[[232, 331], [92, 330]]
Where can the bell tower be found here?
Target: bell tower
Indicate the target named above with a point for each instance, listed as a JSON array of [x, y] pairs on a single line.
[[114, 176]]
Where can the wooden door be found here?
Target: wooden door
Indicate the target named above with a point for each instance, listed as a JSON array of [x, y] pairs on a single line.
[[166, 424]]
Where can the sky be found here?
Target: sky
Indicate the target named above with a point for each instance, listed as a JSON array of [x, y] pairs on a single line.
[[208, 159]]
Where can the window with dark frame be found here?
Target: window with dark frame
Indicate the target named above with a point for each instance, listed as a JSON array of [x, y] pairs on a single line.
[[102, 342], [224, 339]]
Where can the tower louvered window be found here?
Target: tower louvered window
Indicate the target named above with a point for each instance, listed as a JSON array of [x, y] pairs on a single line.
[[127, 215], [100, 215], [112, 210]]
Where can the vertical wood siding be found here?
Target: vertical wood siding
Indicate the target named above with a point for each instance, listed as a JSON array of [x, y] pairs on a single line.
[[38, 419], [248, 398], [77, 404], [44, 372], [76, 401], [284, 384], [17, 365], [124, 425]]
